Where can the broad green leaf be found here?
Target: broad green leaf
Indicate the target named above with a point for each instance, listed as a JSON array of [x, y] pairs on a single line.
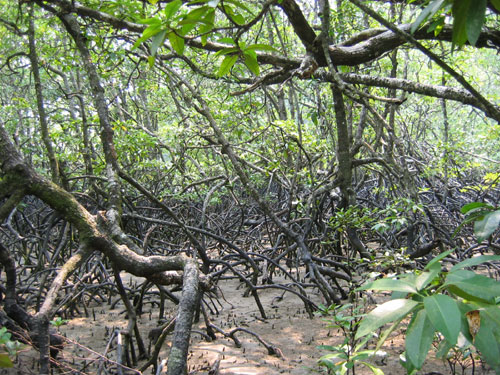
[[172, 8], [207, 26], [151, 61], [473, 284], [438, 258], [493, 313], [226, 65], [5, 361], [396, 285], [146, 34], [475, 261], [425, 278], [385, 313], [460, 12], [444, 315], [496, 4], [362, 354], [193, 18], [150, 21], [176, 42], [158, 40], [240, 5], [260, 47], [251, 63], [429, 11], [235, 17], [475, 20], [485, 227], [208, 21], [487, 343], [419, 337], [474, 205], [226, 51], [198, 14], [226, 40]]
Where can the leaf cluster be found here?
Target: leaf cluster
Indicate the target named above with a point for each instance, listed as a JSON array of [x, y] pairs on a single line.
[[440, 302], [468, 18]]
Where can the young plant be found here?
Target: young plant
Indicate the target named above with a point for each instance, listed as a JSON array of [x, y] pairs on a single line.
[[57, 322], [460, 305], [342, 358], [8, 348]]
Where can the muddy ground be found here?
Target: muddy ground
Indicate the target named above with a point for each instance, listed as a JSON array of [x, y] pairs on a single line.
[[287, 328]]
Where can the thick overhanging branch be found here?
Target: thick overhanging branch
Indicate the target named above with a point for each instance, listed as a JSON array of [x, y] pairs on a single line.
[[360, 49]]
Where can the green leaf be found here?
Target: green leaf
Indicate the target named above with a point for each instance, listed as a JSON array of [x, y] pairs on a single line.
[[496, 4], [429, 11], [493, 313], [150, 21], [395, 285], [226, 51], [5, 361], [146, 34], [419, 337], [374, 369], [438, 258], [226, 65], [176, 42], [385, 313], [475, 20], [474, 205], [239, 4], [251, 63], [196, 16], [151, 61], [260, 47], [426, 277], [460, 12], [444, 315], [208, 21], [158, 40], [235, 17], [487, 343], [226, 40], [474, 261], [485, 227], [172, 8], [476, 286]]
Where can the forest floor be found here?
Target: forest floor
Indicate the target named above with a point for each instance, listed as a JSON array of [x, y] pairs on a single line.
[[288, 328]]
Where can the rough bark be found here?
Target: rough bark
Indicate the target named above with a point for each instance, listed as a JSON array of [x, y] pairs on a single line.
[[177, 360]]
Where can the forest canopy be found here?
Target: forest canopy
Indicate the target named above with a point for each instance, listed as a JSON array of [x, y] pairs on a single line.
[[190, 142]]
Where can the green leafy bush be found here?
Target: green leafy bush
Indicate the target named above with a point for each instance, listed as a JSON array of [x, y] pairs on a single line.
[[459, 305]]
